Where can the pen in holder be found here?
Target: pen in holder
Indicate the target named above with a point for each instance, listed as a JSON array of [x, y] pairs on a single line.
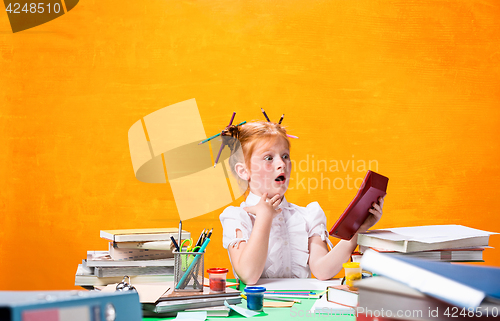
[[188, 271], [194, 271]]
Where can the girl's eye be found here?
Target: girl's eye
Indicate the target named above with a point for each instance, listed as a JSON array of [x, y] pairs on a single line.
[[286, 156], [268, 158]]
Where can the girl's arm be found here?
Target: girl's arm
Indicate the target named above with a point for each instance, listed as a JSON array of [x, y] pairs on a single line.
[[326, 264], [249, 258]]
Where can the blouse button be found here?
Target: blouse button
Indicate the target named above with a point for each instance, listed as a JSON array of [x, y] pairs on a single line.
[[286, 242], [281, 219]]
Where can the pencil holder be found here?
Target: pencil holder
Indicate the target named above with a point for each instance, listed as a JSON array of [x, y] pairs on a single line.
[[188, 271]]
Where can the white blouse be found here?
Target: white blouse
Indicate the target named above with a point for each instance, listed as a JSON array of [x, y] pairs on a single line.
[[288, 251]]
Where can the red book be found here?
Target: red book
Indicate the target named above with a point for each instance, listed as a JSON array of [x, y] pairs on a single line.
[[374, 186]]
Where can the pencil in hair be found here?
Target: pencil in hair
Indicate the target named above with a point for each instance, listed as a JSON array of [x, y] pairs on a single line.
[[222, 145], [265, 115], [281, 119], [218, 155], [232, 118], [209, 138]]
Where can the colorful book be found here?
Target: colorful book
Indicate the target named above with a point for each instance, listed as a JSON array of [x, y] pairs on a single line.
[[68, 305]]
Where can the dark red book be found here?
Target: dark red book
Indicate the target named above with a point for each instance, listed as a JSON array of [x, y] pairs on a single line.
[[374, 186]]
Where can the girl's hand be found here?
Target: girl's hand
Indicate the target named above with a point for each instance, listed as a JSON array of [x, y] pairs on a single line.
[[266, 207], [376, 214]]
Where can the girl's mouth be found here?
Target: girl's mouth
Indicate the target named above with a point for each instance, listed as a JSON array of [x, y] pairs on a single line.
[[281, 178]]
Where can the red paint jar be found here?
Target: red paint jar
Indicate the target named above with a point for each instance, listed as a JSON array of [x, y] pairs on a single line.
[[217, 278]]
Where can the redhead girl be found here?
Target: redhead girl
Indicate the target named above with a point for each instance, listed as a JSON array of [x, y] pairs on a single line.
[[268, 237]]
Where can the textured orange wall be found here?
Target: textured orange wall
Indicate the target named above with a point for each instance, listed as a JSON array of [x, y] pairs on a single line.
[[412, 85]]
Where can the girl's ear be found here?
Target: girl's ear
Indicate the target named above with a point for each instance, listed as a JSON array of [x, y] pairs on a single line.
[[241, 171]]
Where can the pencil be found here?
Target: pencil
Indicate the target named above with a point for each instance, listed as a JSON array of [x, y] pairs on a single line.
[[232, 118], [218, 155], [267, 297], [217, 135], [222, 145], [291, 136], [180, 230], [265, 115], [281, 119], [210, 233], [277, 299], [301, 294], [199, 242], [175, 244], [290, 291], [209, 138]]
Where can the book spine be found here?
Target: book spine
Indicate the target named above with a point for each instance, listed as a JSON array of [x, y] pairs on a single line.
[[118, 254], [158, 245], [369, 241], [147, 237], [133, 271], [122, 263]]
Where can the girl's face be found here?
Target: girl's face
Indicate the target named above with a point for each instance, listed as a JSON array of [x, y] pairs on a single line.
[[270, 168]]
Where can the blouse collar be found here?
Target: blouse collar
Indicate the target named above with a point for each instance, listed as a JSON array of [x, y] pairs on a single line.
[[253, 199]]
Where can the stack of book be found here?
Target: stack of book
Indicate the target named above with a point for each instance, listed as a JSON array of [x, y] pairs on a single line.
[[142, 254], [172, 302], [416, 289], [446, 243]]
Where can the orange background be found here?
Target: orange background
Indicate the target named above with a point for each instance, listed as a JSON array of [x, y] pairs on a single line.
[[412, 85]]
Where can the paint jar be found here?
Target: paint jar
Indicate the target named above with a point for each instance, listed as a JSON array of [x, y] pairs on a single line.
[[217, 277], [352, 273], [255, 297]]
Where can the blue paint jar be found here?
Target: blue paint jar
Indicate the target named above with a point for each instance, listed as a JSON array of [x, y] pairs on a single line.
[[255, 297]]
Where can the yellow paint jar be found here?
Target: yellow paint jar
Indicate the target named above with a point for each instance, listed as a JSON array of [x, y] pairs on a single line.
[[352, 273]]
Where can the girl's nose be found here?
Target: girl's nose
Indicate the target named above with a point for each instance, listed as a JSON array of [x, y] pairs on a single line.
[[280, 163]]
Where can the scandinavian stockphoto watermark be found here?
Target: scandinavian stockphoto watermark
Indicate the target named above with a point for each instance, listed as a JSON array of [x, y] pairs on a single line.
[[333, 173], [25, 14], [415, 314]]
